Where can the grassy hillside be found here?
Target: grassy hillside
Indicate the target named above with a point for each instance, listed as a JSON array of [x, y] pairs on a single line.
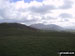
[[25, 42]]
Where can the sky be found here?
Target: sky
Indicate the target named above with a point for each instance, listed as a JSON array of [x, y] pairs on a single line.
[[59, 12]]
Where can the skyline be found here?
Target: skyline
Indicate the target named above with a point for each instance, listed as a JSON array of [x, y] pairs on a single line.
[[59, 12]]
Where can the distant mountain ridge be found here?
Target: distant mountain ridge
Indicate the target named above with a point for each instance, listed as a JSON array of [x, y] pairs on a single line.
[[33, 27], [47, 27]]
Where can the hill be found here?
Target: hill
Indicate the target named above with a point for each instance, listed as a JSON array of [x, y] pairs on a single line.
[[16, 40], [16, 26], [52, 27], [7, 29]]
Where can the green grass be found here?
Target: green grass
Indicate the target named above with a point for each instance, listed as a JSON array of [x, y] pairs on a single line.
[[18, 42]]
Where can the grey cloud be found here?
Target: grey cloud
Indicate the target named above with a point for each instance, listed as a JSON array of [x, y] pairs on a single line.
[[7, 17], [2, 13], [67, 4], [42, 9], [65, 15], [18, 21], [48, 18], [7, 20]]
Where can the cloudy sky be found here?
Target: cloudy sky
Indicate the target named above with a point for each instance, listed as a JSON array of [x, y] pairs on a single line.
[[60, 12]]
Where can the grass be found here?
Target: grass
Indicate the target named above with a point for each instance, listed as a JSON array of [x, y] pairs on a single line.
[[18, 42]]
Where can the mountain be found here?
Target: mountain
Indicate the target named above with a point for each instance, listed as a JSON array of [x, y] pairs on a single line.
[[70, 29], [17, 40], [47, 27], [15, 26]]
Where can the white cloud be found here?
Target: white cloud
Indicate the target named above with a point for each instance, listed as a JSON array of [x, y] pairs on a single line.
[[47, 12], [56, 3]]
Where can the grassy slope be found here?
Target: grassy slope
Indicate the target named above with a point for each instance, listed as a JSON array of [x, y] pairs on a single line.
[[18, 42]]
